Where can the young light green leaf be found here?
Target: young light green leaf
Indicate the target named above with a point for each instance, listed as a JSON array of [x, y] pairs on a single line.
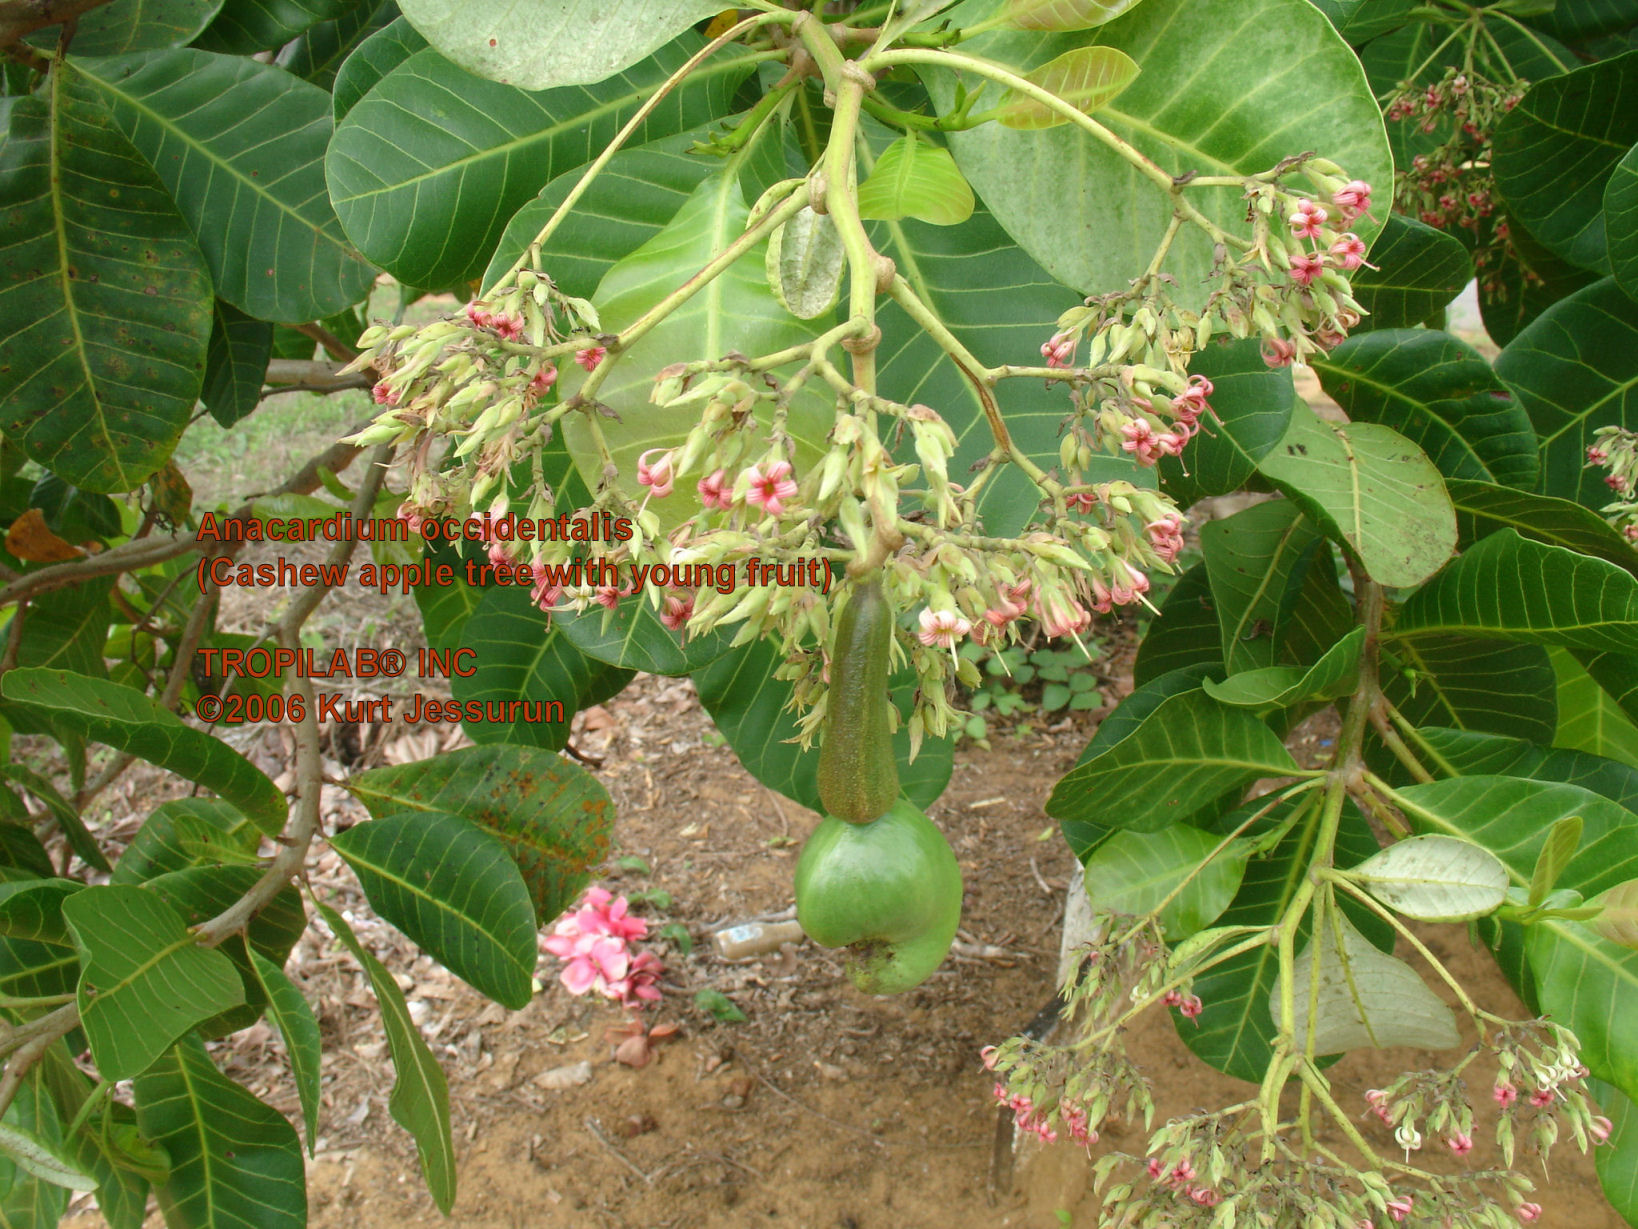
[[300, 1030], [1435, 878], [805, 261], [1366, 997], [146, 980], [39, 1158], [1086, 78], [1059, 15], [1618, 921], [914, 178], [1133, 872], [420, 1096], [1331, 677], [450, 886], [1557, 851]]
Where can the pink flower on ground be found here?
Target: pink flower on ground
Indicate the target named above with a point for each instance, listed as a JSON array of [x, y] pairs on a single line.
[[639, 985], [590, 356], [1348, 251], [1352, 199], [1461, 1143], [1307, 220], [1058, 350], [677, 612], [656, 475], [1278, 352], [1528, 1212], [1600, 1129], [942, 628], [1505, 1093], [1305, 268], [769, 490], [543, 379], [716, 491]]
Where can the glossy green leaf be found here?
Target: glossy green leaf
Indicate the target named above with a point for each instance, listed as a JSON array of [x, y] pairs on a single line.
[[240, 145], [749, 706], [1574, 20], [1439, 393], [302, 1043], [79, 837], [319, 52], [1510, 588], [1360, 20], [133, 25], [1188, 751], [1371, 488], [1621, 221], [632, 637], [420, 1096], [37, 970], [1256, 560], [540, 46], [1419, 270], [245, 27], [1617, 674], [1330, 678], [1133, 872], [44, 1160], [1466, 683], [452, 888], [1552, 155], [552, 816], [1251, 403], [1518, 291], [1434, 878], [234, 1159], [1474, 754], [104, 296], [426, 196], [1209, 100], [67, 629], [1087, 78], [805, 262], [1576, 369], [33, 909], [146, 981], [127, 720], [1588, 718], [1364, 997], [1057, 15], [1483, 508], [913, 178], [373, 59], [186, 832], [1186, 633], [240, 347], [199, 893]]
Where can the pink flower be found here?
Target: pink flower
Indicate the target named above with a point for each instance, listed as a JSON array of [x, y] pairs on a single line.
[[1528, 1212], [1305, 268], [716, 491], [500, 554], [590, 356], [1001, 1092], [1191, 403], [1081, 501], [638, 986], [411, 516], [608, 596], [1278, 352], [1307, 220], [544, 594], [1172, 998], [1166, 536], [1595, 454], [383, 394], [1400, 1208], [1141, 441], [1182, 1172], [1600, 1129], [1348, 251], [677, 612], [543, 379], [479, 314], [1352, 199], [942, 628], [1191, 1008], [770, 490], [1204, 1196], [1155, 1167], [510, 327], [1060, 615], [1541, 1097], [1461, 1143], [1058, 350], [987, 1054], [1505, 1093], [656, 476]]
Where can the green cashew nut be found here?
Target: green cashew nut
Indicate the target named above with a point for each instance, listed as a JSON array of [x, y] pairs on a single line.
[[889, 891]]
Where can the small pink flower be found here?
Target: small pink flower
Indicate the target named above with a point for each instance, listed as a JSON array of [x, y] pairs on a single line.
[[608, 596], [479, 314], [1172, 998], [500, 554], [1595, 454], [1155, 1167], [1061, 616], [1081, 501], [942, 628], [383, 394], [1181, 1173], [987, 1054], [1305, 268], [1348, 251], [716, 491], [1528, 1212], [1142, 441], [543, 379], [1205, 1196], [656, 476], [1307, 220], [1058, 350], [1400, 1208], [1505, 1093], [590, 356], [1600, 1129], [1461, 1143], [1278, 352], [1001, 1092], [510, 327], [677, 612], [770, 490], [1352, 199], [1541, 1097], [1191, 1008], [1191, 403], [1632, 532], [411, 516]]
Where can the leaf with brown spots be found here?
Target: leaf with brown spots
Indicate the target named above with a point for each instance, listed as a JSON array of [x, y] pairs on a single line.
[[31, 540]]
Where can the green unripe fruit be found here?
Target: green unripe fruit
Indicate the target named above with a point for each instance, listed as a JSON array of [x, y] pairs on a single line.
[[889, 891], [858, 773]]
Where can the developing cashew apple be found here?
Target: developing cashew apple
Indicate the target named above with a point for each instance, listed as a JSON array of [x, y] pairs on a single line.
[[889, 891], [858, 774]]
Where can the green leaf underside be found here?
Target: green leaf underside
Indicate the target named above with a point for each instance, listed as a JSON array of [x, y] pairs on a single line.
[[104, 296], [1055, 15], [449, 886], [913, 178], [133, 25], [1435, 878], [235, 363], [1087, 78], [130, 721], [302, 1043], [146, 981], [419, 1101], [805, 263]]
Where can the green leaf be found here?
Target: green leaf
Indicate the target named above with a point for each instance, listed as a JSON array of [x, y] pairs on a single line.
[[1621, 221], [1510, 588], [1576, 369], [133, 25], [122, 1196], [1466, 683], [914, 178], [146, 981], [1575, 20], [1483, 508], [420, 1096], [719, 1006], [45, 1161], [234, 1160], [319, 52], [199, 893], [302, 1043], [804, 264], [127, 720], [1419, 270], [245, 27], [1617, 1159], [1256, 560], [750, 706], [1365, 997], [1563, 839], [101, 355], [1371, 488], [185, 832], [1474, 754], [240, 145], [427, 197], [1330, 678], [1252, 406], [1553, 154], [1439, 393], [552, 816], [1133, 872], [539, 46], [632, 637], [240, 347], [68, 819], [1087, 78], [1187, 752], [1435, 878], [1619, 920], [33, 909], [1519, 290], [1207, 101], [449, 886], [67, 628], [374, 58], [1057, 15], [1185, 634], [28, 1200], [1589, 719]]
